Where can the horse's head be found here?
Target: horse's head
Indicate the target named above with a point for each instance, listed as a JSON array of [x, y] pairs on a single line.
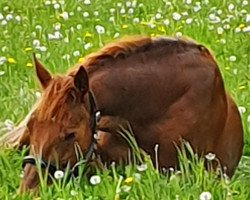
[[60, 130]]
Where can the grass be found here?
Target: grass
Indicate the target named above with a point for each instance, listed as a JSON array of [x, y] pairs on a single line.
[[62, 32]]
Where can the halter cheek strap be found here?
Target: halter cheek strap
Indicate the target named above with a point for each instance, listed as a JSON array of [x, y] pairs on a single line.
[[94, 118]]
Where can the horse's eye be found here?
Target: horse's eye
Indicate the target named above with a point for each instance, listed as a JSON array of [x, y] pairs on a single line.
[[70, 136]]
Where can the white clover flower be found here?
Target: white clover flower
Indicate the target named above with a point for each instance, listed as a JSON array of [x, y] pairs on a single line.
[[73, 193], [130, 11], [176, 16], [222, 41], [42, 48], [47, 3], [112, 10], [205, 196], [166, 22], [18, 18], [128, 3], [36, 43], [38, 94], [96, 13], [87, 2], [219, 12], [2, 60], [189, 21], [119, 4], [248, 118], [137, 177], [158, 16], [56, 6], [95, 180], [213, 18], [65, 15], [66, 57], [9, 17], [57, 26], [116, 35], [136, 20], [197, 8], [230, 7], [2, 72], [245, 3], [85, 14], [248, 18], [125, 188], [100, 29], [188, 2], [1, 16], [237, 30], [246, 29], [220, 30], [87, 46], [78, 26], [232, 58], [142, 167], [76, 53], [242, 109], [59, 174], [122, 11], [210, 156], [178, 34], [4, 22]]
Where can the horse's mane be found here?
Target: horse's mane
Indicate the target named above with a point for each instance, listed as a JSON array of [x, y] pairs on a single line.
[[128, 46]]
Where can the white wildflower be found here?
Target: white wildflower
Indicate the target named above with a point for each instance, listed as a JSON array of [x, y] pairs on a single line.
[[78, 26], [4, 22], [136, 20], [242, 109], [205, 196], [79, 9], [125, 188], [237, 30], [87, 46], [9, 17], [73, 193], [128, 3], [100, 29], [176, 16], [248, 18], [220, 30], [96, 13], [95, 180], [2, 60], [232, 58], [1, 72], [158, 16], [189, 20], [210, 156], [230, 7], [122, 11], [66, 57], [85, 14], [222, 41], [197, 8], [42, 48], [65, 15], [36, 43], [57, 26], [38, 94], [245, 3], [56, 6], [219, 12], [59, 174], [76, 53], [178, 34], [226, 26], [166, 22], [87, 2], [184, 13], [112, 10], [246, 29], [18, 18], [142, 167], [119, 4], [188, 2], [47, 3]]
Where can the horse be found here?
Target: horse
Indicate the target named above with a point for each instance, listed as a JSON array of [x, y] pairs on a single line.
[[164, 89]]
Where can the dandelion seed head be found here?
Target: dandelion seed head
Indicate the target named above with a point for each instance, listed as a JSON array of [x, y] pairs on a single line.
[[210, 156], [232, 58], [142, 167], [242, 109], [205, 196], [95, 180], [58, 174], [176, 16]]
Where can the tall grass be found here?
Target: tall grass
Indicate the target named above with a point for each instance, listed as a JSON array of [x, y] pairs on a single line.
[[62, 32]]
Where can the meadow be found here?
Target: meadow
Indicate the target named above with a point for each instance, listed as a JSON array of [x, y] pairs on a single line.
[[62, 32]]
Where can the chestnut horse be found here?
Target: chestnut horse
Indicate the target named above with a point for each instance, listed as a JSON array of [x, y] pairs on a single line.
[[164, 88]]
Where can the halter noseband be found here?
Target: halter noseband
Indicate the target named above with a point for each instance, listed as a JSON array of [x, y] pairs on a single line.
[[73, 172]]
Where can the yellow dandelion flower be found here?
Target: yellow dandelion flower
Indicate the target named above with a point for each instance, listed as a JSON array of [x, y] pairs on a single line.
[[124, 26], [241, 26], [128, 180], [88, 35], [162, 29], [28, 49], [11, 60], [242, 87], [29, 65], [81, 60]]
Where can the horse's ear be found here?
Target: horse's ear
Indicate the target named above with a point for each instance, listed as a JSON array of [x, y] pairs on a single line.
[[81, 80], [43, 75]]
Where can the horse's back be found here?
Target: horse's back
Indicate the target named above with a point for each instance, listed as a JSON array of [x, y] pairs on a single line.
[[166, 93]]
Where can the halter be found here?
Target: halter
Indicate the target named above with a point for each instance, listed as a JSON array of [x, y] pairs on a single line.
[[73, 172]]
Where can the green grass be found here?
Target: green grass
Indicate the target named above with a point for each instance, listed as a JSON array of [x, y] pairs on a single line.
[[79, 37]]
